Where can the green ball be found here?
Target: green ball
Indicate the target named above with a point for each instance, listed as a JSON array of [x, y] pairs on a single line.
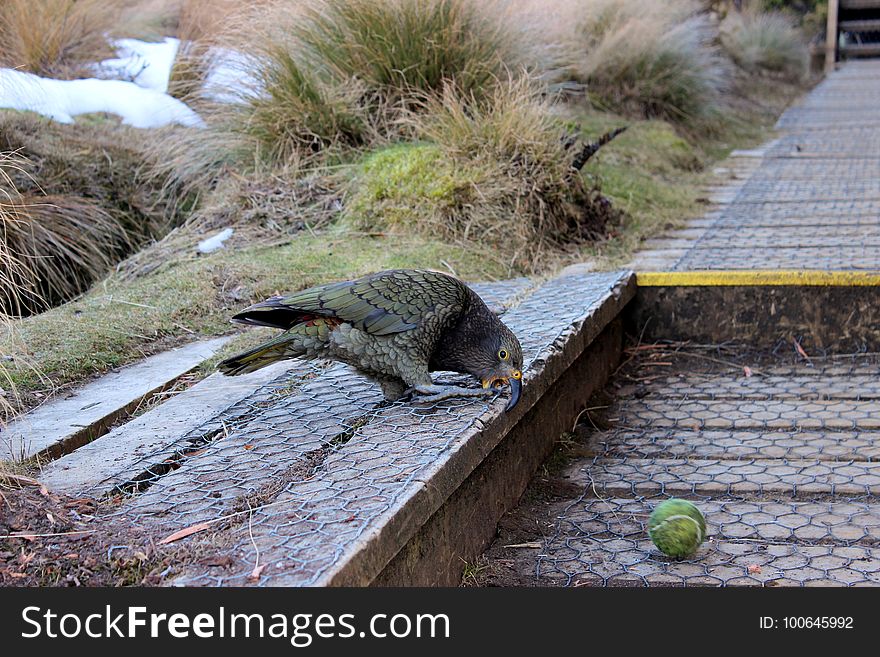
[[677, 527]]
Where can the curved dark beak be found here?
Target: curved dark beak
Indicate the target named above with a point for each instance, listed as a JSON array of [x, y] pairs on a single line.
[[515, 390]]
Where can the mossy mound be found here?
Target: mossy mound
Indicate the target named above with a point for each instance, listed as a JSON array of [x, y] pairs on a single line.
[[424, 189]]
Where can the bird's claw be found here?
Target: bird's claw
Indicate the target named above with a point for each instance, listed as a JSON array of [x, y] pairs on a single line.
[[434, 393]]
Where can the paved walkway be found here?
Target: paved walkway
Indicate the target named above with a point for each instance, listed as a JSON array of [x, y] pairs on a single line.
[[782, 454], [808, 200]]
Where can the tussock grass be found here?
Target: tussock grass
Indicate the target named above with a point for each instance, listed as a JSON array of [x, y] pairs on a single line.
[[766, 42], [335, 75], [55, 38], [12, 272], [65, 243], [644, 59], [397, 47], [493, 171], [100, 161], [76, 204]]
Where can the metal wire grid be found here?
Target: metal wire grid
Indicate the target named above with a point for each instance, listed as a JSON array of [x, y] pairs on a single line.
[[797, 214], [819, 169], [848, 140], [810, 236], [835, 258], [605, 542], [800, 213], [316, 466], [785, 505]]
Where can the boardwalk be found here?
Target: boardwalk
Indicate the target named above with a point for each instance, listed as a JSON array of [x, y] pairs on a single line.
[[810, 199], [780, 452]]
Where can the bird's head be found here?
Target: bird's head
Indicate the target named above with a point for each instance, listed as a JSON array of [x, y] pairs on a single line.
[[499, 362]]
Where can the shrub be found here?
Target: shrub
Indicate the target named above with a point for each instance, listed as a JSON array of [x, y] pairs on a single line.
[[54, 38], [653, 60], [494, 170], [766, 42], [331, 75]]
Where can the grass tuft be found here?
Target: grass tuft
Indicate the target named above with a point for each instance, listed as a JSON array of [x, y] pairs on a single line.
[[644, 59], [330, 76], [494, 171], [55, 38], [766, 42]]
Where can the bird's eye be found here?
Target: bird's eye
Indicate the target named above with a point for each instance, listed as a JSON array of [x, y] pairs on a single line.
[[502, 354]]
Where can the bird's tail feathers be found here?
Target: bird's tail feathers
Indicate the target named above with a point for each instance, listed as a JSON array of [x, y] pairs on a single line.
[[259, 357]]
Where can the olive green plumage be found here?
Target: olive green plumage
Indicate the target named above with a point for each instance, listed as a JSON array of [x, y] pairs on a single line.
[[394, 326]]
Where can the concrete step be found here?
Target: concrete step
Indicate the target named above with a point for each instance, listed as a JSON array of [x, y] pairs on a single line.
[[140, 450], [829, 258], [864, 25], [834, 414], [868, 49], [845, 141], [65, 423], [774, 478], [821, 169], [818, 213], [583, 561], [740, 444], [860, 4], [759, 190], [131, 450], [769, 385]]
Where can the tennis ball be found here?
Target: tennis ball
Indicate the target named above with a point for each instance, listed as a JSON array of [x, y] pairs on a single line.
[[677, 527]]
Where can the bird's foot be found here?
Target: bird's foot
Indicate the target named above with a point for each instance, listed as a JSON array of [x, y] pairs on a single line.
[[434, 393]]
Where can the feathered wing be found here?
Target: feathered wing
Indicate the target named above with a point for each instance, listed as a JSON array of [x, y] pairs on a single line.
[[380, 304]]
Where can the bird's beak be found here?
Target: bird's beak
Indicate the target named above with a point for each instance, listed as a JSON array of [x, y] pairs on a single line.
[[515, 383], [515, 390]]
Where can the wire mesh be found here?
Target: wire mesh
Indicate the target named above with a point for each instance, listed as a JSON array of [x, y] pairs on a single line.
[[309, 466], [785, 504]]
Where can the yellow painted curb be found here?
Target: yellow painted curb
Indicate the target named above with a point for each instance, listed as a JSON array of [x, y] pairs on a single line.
[[758, 277]]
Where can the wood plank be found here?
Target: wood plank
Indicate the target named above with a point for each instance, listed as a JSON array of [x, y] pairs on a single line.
[[120, 450], [63, 424]]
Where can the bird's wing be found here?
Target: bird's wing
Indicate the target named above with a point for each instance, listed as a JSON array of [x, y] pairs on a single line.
[[380, 304]]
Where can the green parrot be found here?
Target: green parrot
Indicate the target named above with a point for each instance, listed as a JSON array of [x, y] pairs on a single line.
[[395, 327]]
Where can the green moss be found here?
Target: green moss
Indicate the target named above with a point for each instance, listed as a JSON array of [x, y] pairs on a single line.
[[121, 321], [405, 185]]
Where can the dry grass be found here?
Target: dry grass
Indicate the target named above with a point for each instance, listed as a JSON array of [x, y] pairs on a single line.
[[202, 25], [644, 59], [12, 270], [766, 42], [397, 47], [493, 171], [65, 243], [75, 205], [334, 75], [52, 247], [55, 38]]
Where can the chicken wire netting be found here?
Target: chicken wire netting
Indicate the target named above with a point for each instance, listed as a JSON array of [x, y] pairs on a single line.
[[300, 473], [812, 199], [783, 463]]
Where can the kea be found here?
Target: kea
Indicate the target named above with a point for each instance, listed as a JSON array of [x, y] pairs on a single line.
[[395, 327]]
